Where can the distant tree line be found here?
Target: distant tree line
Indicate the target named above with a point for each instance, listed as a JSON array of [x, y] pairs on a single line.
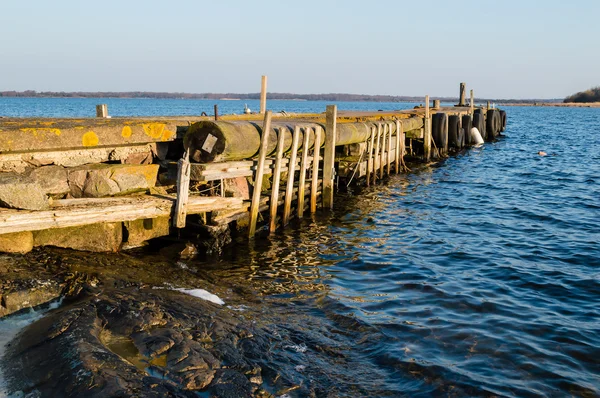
[[591, 95], [248, 96]]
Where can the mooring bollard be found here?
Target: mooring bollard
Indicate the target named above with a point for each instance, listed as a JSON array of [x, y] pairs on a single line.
[[463, 92]]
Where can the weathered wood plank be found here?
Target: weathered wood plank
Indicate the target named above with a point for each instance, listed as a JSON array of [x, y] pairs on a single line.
[[303, 166], [315, 170], [287, 205], [183, 191], [370, 159], [275, 183], [258, 177], [329, 155]]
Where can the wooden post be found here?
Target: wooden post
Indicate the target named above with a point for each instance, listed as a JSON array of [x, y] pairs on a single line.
[[258, 176], [276, 178], [398, 138], [389, 150], [263, 94], [488, 106], [472, 103], [329, 155], [436, 104], [102, 110], [183, 190], [382, 159], [463, 93], [289, 191], [216, 112], [427, 132], [377, 154], [370, 165], [303, 167], [314, 184]]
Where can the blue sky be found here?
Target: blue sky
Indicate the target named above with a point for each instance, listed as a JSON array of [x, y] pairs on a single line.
[[508, 49]]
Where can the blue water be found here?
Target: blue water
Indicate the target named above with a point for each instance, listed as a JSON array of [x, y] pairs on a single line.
[[86, 107], [477, 276]]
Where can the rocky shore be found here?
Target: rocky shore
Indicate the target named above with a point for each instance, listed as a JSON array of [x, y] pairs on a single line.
[[122, 330]]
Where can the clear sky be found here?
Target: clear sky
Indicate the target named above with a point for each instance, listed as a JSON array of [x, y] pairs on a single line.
[[505, 49]]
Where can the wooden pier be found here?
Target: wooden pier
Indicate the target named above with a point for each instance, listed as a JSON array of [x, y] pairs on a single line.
[[123, 181]]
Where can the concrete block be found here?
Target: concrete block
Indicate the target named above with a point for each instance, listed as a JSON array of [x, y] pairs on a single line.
[[101, 237], [18, 242], [139, 231]]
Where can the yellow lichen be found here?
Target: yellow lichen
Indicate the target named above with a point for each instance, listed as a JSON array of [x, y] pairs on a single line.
[[126, 132], [90, 139]]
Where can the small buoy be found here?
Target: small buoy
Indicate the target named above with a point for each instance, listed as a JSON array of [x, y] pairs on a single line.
[[476, 138], [542, 153], [246, 109]]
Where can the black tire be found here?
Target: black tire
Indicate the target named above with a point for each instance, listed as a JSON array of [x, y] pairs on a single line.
[[439, 132], [454, 132], [467, 124], [491, 124], [502, 120], [479, 123]]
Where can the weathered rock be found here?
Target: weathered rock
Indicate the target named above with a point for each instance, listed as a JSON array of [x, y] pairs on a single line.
[[18, 242], [130, 183], [76, 180], [98, 186], [21, 192], [101, 237], [139, 231], [139, 158], [53, 180], [237, 187]]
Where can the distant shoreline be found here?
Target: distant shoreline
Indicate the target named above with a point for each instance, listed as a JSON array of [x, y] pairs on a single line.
[[555, 104]]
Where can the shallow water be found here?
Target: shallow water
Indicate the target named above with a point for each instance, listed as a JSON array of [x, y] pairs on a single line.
[[478, 276]]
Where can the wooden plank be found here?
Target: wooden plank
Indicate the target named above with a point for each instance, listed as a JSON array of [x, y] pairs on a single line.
[[183, 190], [389, 150], [258, 177], [329, 155], [276, 179], [315, 170], [377, 154], [303, 166], [370, 159], [263, 94], [77, 212], [382, 161], [427, 132], [399, 137], [287, 205], [472, 108]]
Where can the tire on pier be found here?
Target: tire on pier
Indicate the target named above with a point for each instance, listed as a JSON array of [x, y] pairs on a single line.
[[439, 132], [493, 124], [503, 120], [479, 123], [467, 124], [454, 135]]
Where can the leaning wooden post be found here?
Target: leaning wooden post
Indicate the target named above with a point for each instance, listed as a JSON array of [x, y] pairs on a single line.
[[398, 137], [102, 110], [329, 156], [216, 112], [389, 150], [263, 94], [427, 132], [472, 111], [382, 159], [370, 163], [303, 167], [463, 93], [183, 190], [258, 176], [289, 190], [274, 202], [377, 154], [314, 184]]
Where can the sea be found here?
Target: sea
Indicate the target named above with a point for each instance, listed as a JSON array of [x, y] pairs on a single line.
[[478, 275]]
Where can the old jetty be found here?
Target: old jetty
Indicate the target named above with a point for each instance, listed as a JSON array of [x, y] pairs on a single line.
[[105, 184]]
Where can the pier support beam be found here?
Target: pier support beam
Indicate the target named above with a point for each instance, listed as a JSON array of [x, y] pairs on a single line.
[[472, 103], [329, 156], [463, 93], [427, 132], [263, 94]]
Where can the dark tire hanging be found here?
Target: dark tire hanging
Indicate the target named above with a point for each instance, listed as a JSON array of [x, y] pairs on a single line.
[[454, 132], [479, 123], [491, 125], [467, 124], [439, 131], [503, 120]]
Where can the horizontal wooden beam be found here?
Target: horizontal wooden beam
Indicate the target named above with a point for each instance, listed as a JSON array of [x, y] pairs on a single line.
[[77, 212]]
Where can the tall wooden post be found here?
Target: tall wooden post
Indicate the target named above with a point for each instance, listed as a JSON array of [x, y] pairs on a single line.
[[436, 104], [263, 94], [472, 103], [488, 106], [102, 110], [183, 190], [399, 137], [463, 93], [427, 132], [216, 112], [289, 190], [314, 184], [258, 176], [274, 202], [329, 156], [303, 166]]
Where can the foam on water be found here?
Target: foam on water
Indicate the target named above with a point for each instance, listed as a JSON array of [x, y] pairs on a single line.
[[203, 294]]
